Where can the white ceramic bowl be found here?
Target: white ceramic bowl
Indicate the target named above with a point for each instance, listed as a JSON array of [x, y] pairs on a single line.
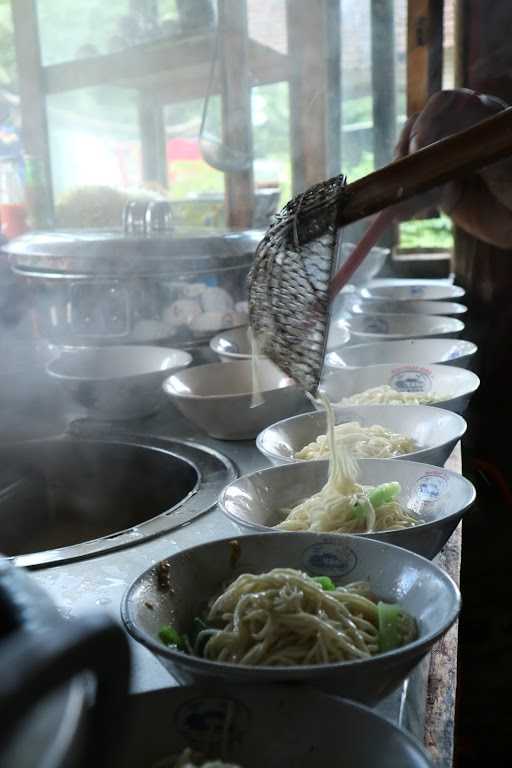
[[435, 431], [164, 722], [234, 344], [401, 326], [417, 351], [200, 573], [122, 382], [404, 290], [454, 385], [218, 398], [437, 496], [383, 307]]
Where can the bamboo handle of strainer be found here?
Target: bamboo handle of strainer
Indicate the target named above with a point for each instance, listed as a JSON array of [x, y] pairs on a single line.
[[445, 160]]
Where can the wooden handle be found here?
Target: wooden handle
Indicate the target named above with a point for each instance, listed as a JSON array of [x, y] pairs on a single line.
[[445, 160]]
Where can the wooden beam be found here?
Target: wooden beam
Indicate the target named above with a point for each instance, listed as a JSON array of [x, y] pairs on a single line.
[[266, 66], [34, 125], [236, 109], [424, 51], [310, 105], [170, 77], [134, 67]]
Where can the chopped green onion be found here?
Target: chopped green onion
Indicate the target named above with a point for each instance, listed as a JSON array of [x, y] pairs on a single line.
[[396, 627], [169, 636], [325, 582], [361, 510], [384, 493]]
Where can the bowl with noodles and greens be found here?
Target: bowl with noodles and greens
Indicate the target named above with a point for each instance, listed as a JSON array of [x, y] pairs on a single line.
[[345, 614], [408, 503], [192, 726]]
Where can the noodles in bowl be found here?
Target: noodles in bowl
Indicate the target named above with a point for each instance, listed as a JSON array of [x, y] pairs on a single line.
[[386, 395], [343, 505], [286, 618], [373, 442], [186, 585]]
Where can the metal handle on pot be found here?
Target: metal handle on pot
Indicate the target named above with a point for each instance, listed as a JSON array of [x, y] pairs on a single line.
[[37, 657], [147, 217]]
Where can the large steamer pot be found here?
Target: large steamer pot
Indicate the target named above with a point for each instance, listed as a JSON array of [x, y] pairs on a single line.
[[97, 287]]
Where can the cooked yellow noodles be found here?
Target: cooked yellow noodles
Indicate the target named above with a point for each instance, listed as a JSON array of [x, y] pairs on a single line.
[[285, 618], [386, 395], [343, 505], [374, 441]]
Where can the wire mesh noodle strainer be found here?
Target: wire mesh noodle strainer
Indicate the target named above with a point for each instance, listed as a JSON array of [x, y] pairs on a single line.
[[291, 282]]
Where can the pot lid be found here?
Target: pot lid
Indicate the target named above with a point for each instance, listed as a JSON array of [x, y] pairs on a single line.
[[101, 252]]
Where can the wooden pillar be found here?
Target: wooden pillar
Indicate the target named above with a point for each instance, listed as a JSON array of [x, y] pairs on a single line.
[[424, 51], [34, 124], [383, 80], [236, 109], [315, 92], [153, 139]]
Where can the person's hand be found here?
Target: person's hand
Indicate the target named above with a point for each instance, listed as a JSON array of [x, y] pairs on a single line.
[[481, 204]]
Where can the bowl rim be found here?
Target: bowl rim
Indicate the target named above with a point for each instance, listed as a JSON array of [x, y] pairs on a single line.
[[454, 307], [457, 325], [471, 350], [81, 351], [461, 430], [416, 648], [173, 394], [421, 526], [472, 378], [455, 291], [214, 341]]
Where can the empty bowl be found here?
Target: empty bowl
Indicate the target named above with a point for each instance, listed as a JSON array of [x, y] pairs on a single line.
[[194, 576], [383, 307], [219, 398], [404, 290], [417, 351], [235, 345], [401, 326], [452, 386], [436, 497], [228, 722], [122, 382], [434, 430]]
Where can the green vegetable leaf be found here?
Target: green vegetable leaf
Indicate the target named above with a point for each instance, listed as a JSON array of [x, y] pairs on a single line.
[[384, 493], [169, 636], [396, 627], [325, 582]]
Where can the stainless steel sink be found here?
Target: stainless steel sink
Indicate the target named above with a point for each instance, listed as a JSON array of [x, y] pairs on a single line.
[[77, 495]]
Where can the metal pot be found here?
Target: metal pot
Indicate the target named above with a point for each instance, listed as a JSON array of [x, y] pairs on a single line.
[[97, 287], [49, 717]]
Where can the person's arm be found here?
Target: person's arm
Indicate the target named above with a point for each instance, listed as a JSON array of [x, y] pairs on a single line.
[[482, 204]]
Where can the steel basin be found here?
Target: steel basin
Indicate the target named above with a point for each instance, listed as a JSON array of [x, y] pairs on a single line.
[[73, 496]]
